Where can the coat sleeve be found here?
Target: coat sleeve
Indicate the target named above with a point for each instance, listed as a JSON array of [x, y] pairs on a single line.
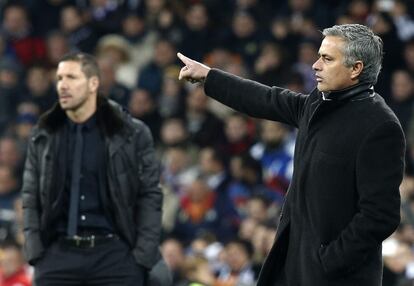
[[33, 246], [149, 202], [379, 171], [255, 99]]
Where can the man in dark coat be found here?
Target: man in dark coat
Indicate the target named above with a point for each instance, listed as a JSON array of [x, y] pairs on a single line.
[[91, 200], [343, 200]]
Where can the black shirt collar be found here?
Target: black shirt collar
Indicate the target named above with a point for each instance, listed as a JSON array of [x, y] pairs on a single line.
[[88, 124], [355, 92]]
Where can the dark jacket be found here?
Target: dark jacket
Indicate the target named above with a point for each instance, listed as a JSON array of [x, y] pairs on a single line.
[[132, 178], [343, 200]]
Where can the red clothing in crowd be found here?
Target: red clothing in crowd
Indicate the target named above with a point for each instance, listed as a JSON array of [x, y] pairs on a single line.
[[20, 278]]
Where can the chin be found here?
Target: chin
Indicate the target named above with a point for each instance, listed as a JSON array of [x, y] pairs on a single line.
[[66, 106], [63, 105], [321, 88]]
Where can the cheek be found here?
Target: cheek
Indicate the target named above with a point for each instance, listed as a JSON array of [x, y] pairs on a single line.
[[344, 74], [82, 88], [336, 75], [339, 78]]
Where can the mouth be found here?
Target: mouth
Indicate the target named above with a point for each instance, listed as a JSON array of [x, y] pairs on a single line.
[[318, 78], [64, 96]]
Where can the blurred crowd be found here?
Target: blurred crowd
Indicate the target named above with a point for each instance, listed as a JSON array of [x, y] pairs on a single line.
[[224, 175]]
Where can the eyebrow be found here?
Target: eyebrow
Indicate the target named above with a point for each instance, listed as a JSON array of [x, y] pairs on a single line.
[[69, 74], [324, 55]]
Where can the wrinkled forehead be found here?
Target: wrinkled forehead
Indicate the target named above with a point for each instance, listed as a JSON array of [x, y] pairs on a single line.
[[332, 45]]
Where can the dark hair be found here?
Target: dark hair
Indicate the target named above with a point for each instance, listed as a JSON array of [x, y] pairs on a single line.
[[243, 243], [248, 162], [218, 155], [262, 198], [89, 65]]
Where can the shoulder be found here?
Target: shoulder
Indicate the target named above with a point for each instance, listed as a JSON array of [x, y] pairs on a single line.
[[131, 127], [137, 130], [140, 127], [380, 112], [386, 131], [38, 132]]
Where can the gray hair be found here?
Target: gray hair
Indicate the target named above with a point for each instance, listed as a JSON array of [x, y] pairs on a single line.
[[361, 44]]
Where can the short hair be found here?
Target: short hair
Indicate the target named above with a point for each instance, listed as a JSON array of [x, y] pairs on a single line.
[[248, 162], [218, 155], [246, 245], [361, 44], [89, 65]]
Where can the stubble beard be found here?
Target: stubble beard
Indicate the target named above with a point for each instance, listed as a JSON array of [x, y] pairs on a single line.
[[73, 106]]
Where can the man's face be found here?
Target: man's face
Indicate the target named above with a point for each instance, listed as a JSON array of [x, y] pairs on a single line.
[[237, 257], [236, 129], [402, 86], [37, 81], [331, 73], [272, 133], [207, 161], [15, 20], [70, 19], [172, 252], [197, 100], [164, 53], [73, 87]]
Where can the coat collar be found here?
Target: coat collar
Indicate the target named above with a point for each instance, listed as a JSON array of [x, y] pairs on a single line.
[[108, 117], [355, 92]]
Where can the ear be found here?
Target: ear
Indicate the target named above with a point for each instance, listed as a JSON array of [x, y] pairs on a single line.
[[357, 69], [94, 84]]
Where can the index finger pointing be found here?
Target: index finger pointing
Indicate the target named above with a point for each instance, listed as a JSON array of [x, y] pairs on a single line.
[[184, 59]]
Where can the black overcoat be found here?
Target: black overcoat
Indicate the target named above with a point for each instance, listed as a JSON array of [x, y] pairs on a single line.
[[343, 200]]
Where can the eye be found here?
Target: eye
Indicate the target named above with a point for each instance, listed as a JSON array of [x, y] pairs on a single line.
[[327, 59]]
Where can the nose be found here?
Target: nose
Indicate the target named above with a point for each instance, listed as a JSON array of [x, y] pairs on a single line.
[[317, 65], [62, 84]]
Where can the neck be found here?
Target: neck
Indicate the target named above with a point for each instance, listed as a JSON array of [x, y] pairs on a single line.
[[84, 112]]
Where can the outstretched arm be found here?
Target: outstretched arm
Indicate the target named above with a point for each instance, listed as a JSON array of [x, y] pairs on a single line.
[[246, 96]]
